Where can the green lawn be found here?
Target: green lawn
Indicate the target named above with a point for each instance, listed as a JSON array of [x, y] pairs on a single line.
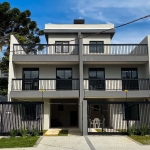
[[18, 142], [141, 139], [63, 133], [98, 130]]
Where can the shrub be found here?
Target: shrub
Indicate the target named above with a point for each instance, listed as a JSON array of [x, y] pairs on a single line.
[[143, 130], [131, 131], [13, 133], [23, 132], [35, 132]]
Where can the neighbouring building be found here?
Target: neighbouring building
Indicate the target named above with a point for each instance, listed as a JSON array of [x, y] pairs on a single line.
[[80, 76]]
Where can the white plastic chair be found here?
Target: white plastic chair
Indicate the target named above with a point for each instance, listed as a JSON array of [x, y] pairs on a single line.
[[96, 122]]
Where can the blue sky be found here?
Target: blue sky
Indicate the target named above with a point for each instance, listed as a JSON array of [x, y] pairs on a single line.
[[93, 11]]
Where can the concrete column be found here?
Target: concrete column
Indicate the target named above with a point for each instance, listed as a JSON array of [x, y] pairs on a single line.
[[81, 91], [11, 71], [85, 127], [46, 114]]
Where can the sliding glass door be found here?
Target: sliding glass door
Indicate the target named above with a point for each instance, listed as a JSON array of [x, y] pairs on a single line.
[[96, 79], [64, 79]]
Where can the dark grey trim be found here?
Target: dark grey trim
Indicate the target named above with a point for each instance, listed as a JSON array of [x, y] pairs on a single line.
[[89, 143]]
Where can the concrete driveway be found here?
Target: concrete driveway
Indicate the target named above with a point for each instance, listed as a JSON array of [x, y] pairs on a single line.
[[86, 143]]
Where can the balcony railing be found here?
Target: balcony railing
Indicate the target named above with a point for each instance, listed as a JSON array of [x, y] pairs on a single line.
[[46, 84], [116, 84], [115, 49], [45, 49]]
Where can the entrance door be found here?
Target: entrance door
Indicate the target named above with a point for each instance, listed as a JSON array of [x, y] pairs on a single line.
[[73, 118]]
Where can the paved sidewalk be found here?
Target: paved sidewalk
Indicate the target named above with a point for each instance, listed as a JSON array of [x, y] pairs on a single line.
[[86, 143]]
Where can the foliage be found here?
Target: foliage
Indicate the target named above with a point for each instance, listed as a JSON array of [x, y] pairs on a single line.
[[13, 21], [23, 132], [13, 133], [142, 139], [131, 131], [143, 130], [18, 142], [35, 132], [3, 86]]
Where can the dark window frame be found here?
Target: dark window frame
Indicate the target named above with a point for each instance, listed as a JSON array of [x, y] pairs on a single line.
[[62, 49], [102, 46], [60, 107], [63, 80], [103, 80], [96, 108], [128, 112], [28, 113], [31, 80], [128, 81]]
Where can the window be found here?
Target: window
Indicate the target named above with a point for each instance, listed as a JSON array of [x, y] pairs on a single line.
[[96, 79], [30, 79], [60, 107], [96, 47], [29, 112], [131, 112], [62, 47], [129, 73], [96, 107], [64, 76]]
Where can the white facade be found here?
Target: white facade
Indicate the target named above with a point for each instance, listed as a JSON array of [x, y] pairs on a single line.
[[112, 58]]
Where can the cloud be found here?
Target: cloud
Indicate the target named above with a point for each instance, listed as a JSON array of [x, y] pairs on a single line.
[[111, 10]]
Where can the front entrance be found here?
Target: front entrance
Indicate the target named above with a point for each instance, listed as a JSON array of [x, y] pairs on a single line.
[[64, 113], [73, 118]]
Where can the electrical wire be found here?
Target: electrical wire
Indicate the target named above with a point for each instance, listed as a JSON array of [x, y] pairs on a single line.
[[130, 22]]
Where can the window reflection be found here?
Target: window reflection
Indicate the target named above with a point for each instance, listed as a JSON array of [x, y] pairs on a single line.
[[62, 75]]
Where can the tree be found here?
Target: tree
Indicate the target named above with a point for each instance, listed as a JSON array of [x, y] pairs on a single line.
[[13, 21]]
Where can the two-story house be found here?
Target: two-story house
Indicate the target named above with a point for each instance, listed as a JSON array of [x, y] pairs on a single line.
[[81, 77]]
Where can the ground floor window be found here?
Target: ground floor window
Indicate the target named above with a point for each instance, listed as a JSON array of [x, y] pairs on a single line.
[[131, 112], [28, 112]]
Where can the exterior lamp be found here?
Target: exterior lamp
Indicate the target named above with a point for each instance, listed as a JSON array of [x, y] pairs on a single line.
[[42, 93]]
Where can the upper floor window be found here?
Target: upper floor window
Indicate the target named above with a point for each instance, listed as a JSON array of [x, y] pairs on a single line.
[[96, 47], [62, 47], [64, 76], [96, 79], [30, 79], [130, 78]]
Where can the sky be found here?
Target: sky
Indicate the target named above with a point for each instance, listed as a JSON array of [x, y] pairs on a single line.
[[115, 12]]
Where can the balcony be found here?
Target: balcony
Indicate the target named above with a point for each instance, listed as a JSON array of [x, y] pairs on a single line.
[[45, 53], [115, 87], [130, 53], [53, 88]]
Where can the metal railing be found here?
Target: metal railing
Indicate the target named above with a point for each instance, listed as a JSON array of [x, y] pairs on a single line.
[[116, 84], [115, 49], [45, 49], [46, 84]]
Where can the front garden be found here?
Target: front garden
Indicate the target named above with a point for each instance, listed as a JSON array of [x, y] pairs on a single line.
[[140, 134], [20, 138]]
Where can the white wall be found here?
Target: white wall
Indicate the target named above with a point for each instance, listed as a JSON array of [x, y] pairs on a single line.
[[47, 71], [112, 72], [46, 114], [11, 65]]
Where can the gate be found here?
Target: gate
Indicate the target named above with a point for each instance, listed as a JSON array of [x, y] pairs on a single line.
[[117, 117], [18, 115]]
